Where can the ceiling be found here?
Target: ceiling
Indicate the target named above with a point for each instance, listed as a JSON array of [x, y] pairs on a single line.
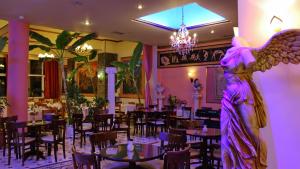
[[113, 18]]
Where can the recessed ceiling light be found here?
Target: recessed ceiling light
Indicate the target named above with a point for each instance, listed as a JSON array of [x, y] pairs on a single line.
[[140, 6], [212, 31], [21, 17], [87, 23]]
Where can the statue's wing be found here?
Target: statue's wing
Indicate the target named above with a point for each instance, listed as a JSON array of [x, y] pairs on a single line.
[[282, 47]]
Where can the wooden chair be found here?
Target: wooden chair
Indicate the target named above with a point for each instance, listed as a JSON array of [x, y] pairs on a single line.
[[17, 138], [139, 122], [79, 128], [83, 160], [177, 159], [103, 122], [123, 125], [57, 138], [187, 112], [215, 155], [102, 140], [3, 127]]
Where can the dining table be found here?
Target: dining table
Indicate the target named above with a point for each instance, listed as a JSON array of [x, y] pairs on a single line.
[[140, 153], [205, 135]]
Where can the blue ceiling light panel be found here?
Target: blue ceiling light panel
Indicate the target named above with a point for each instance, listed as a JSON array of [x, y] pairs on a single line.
[[194, 16]]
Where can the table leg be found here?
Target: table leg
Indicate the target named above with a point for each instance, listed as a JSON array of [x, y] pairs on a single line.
[[132, 165]]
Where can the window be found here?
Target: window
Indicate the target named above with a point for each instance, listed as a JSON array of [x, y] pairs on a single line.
[[2, 77], [36, 79]]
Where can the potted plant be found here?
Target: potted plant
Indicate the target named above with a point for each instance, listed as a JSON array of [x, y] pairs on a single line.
[[131, 71]]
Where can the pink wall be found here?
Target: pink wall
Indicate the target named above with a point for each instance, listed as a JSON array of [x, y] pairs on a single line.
[[280, 86], [177, 82]]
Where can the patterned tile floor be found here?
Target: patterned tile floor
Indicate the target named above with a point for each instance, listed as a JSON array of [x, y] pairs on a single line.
[[32, 163]]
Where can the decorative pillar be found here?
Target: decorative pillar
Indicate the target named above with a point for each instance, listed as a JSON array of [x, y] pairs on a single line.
[[111, 71], [196, 98], [17, 69]]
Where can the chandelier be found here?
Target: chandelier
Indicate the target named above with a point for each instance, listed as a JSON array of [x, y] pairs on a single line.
[[181, 41], [84, 49], [46, 55]]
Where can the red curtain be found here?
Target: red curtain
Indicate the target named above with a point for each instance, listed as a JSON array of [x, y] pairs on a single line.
[[147, 64], [51, 89]]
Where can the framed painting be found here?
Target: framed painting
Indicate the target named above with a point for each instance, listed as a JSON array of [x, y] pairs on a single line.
[[128, 89], [87, 78], [215, 84]]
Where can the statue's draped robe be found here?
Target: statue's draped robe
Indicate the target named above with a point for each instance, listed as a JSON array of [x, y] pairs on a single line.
[[241, 117]]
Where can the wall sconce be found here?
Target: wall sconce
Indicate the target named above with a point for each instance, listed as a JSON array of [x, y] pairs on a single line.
[[276, 23], [191, 76]]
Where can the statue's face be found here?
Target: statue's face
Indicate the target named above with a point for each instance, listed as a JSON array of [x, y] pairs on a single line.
[[231, 59]]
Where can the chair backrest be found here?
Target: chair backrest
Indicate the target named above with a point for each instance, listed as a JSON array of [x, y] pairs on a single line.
[[59, 129], [177, 159], [103, 122], [83, 160], [191, 124], [187, 112], [16, 131], [77, 121], [176, 142], [102, 140]]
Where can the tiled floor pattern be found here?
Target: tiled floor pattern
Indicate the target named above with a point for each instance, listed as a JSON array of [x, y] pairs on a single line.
[[49, 162]]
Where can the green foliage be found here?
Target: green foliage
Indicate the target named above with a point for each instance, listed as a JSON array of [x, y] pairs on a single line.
[[42, 47], [82, 40], [3, 41], [130, 72], [40, 38], [100, 102]]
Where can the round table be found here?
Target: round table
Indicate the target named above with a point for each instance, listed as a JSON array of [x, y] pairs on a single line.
[[141, 152], [211, 133]]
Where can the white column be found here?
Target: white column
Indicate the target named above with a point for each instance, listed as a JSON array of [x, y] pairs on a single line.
[[196, 98], [111, 71]]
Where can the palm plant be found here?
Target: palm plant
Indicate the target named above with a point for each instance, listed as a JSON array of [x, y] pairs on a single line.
[[3, 41], [130, 72], [65, 43]]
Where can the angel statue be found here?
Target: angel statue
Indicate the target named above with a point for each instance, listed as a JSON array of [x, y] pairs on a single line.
[[243, 112], [197, 85]]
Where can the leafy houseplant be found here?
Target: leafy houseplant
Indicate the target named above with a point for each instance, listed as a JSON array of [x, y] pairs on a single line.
[[65, 43], [100, 102], [131, 71]]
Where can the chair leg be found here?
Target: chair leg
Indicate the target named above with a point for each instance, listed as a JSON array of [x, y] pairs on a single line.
[[9, 154], [49, 147], [64, 150], [55, 151], [81, 139]]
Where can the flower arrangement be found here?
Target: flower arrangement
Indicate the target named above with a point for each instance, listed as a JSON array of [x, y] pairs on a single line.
[[3, 105]]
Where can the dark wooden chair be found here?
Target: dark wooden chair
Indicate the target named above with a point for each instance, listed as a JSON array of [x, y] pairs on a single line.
[[17, 138], [79, 128], [3, 127], [102, 140], [215, 155], [139, 122], [177, 159], [123, 124], [103, 122], [187, 112], [57, 137], [83, 160], [155, 120]]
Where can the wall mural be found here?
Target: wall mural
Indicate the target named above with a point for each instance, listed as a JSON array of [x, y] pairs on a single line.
[[87, 78], [215, 84], [209, 56]]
